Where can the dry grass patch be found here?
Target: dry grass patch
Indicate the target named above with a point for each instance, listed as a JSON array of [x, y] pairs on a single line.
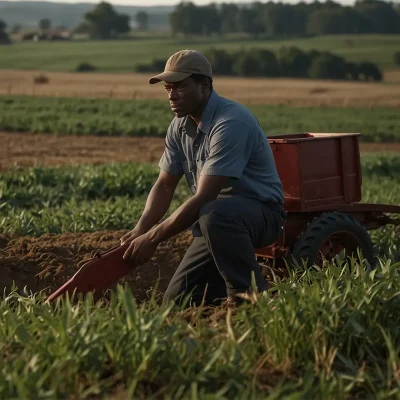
[[296, 92]]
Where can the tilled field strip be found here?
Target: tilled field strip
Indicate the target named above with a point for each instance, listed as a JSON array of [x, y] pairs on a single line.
[[48, 261], [27, 150]]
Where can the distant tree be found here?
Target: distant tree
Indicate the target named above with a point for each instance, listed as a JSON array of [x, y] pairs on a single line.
[[229, 13], [157, 65], [370, 71], [293, 62], [83, 27], [189, 19], [328, 66], [336, 21], [381, 14], [105, 22], [284, 20], [16, 28], [256, 62], [352, 71], [4, 38], [44, 24], [85, 67], [396, 58], [245, 21], [246, 65], [279, 19], [220, 60], [142, 19]]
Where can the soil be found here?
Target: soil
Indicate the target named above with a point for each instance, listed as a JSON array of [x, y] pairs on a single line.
[[26, 150], [47, 262]]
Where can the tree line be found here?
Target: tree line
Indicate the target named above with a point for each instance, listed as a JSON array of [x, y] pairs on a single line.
[[286, 62], [278, 19]]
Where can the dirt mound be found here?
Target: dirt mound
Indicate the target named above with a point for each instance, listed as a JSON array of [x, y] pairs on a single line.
[[48, 261]]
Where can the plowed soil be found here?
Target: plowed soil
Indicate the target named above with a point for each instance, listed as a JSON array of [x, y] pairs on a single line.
[[26, 150], [47, 262]]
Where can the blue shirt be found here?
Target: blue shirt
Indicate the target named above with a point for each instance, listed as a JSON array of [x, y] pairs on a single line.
[[228, 142]]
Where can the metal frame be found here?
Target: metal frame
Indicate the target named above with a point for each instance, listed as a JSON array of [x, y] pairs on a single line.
[[372, 216]]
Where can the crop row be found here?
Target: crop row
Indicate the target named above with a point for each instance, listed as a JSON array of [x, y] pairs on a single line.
[[50, 187], [67, 116], [324, 334], [90, 198]]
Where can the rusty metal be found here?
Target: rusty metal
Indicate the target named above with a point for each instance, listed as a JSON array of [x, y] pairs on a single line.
[[318, 169], [321, 172]]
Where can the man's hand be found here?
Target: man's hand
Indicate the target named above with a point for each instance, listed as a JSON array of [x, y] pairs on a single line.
[[140, 250], [128, 237]]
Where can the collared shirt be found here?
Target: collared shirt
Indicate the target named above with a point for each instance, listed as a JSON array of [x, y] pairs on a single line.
[[228, 142]]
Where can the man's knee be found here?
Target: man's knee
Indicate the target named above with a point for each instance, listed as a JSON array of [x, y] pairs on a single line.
[[175, 294]]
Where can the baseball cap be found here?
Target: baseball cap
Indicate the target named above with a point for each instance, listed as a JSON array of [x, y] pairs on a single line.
[[183, 64]]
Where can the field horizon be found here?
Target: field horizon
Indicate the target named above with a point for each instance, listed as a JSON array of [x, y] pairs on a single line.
[[126, 55]]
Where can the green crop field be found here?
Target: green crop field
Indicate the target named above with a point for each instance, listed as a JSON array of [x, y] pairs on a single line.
[[90, 198], [322, 335], [152, 117], [125, 55], [330, 333]]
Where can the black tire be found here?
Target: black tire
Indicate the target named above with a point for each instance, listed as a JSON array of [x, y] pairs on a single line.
[[343, 230]]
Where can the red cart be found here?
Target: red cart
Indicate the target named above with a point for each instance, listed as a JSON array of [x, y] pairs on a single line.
[[321, 177]]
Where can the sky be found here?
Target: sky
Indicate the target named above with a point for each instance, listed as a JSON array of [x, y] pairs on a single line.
[[174, 2]]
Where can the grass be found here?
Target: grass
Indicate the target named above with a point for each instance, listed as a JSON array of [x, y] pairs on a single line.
[[67, 116], [327, 334], [125, 55], [111, 197]]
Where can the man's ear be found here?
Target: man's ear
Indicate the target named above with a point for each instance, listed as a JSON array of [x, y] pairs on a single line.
[[205, 85]]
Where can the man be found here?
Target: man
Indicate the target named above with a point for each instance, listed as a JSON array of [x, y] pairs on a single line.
[[237, 195]]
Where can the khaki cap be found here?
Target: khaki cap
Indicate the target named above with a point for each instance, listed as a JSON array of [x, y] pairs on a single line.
[[183, 64]]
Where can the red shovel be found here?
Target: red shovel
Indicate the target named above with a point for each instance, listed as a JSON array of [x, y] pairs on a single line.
[[97, 274]]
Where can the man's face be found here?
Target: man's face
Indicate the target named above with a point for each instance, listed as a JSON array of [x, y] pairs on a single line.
[[185, 96]]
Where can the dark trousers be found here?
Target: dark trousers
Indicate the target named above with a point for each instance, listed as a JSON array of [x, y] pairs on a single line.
[[221, 260]]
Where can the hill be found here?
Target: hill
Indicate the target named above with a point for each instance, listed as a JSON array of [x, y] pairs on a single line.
[[29, 13]]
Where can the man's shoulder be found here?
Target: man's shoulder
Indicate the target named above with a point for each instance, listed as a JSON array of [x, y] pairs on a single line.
[[232, 111]]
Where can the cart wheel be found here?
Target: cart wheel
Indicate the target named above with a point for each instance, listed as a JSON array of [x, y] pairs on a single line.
[[329, 234]]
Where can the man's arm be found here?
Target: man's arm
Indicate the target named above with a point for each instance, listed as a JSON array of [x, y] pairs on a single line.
[[143, 247], [157, 204], [188, 213], [228, 156], [231, 144]]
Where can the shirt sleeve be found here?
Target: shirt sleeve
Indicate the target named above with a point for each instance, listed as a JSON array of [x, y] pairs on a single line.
[[170, 160], [231, 144]]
